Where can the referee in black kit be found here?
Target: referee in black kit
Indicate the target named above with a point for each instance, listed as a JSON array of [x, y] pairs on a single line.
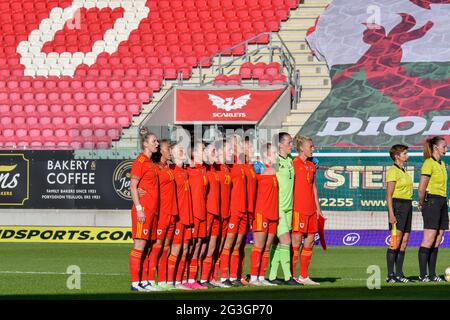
[[434, 207]]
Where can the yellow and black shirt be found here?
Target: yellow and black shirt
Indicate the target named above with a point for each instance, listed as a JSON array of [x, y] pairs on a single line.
[[437, 172], [403, 182]]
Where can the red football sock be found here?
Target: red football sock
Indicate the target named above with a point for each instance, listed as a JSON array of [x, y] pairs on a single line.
[[162, 266], [255, 260], [294, 260], [206, 268], [264, 263], [225, 263], [234, 264], [215, 275], [241, 260], [181, 269], [172, 261], [193, 268], [135, 264], [153, 260], [144, 265], [305, 259]]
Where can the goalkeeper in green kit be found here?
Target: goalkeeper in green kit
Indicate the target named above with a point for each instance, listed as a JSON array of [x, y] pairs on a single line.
[[281, 250]]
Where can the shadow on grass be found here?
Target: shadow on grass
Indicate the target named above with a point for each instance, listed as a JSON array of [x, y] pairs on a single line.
[[388, 292], [327, 279]]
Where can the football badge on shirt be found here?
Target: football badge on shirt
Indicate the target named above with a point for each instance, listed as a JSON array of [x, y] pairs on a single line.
[[159, 232], [177, 231], [145, 231], [264, 225], [302, 225], [231, 225]]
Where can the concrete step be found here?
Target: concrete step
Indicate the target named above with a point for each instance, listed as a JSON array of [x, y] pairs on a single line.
[[316, 81], [296, 118], [319, 93], [291, 124], [305, 108], [307, 11], [315, 2]]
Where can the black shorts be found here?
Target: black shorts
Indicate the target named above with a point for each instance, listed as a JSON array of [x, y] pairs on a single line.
[[435, 213], [403, 214]]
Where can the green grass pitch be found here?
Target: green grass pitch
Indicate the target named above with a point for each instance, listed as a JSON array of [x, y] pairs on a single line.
[[39, 271]]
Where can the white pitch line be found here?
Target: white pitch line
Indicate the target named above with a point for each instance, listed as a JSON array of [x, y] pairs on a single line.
[[62, 273]]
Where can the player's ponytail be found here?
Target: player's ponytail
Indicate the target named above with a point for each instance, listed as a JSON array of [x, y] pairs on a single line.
[[144, 133], [429, 146]]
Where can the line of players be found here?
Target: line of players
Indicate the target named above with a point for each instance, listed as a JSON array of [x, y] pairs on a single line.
[[191, 217]]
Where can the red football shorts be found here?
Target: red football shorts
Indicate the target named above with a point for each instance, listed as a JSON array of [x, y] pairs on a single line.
[[182, 234], [302, 224], [199, 230], [166, 228], [224, 227], [262, 224], [212, 225], [238, 224], [146, 230]]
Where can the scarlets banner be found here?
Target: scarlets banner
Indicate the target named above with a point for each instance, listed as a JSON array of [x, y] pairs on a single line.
[[223, 106], [389, 63]]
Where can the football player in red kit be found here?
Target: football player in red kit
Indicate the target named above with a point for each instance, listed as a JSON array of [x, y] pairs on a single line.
[[306, 208], [198, 181], [250, 175], [144, 211], [264, 225], [224, 152], [183, 228], [167, 214], [238, 220], [213, 215]]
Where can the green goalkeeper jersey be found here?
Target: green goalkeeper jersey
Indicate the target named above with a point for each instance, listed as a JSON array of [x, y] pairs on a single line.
[[285, 176]]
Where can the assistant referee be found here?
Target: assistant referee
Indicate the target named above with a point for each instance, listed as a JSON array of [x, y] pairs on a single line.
[[433, 204], [399, 193]]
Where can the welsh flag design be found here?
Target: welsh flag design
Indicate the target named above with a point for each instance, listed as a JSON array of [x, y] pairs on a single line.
[[389, 62]]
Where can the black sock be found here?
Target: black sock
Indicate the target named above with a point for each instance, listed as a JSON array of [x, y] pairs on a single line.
[[399, 263], [390, 259], [424, 253], [432, 261]]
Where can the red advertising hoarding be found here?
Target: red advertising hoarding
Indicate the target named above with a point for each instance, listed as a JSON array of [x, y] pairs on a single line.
[[223, 106]]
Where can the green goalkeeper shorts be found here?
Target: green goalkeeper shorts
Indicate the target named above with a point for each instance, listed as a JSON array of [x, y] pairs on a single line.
[[285, 222]]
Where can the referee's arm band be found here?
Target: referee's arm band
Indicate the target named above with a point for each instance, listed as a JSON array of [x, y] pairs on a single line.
[[427, 175]]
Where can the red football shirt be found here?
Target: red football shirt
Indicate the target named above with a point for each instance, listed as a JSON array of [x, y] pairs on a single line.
[[267, 197], [184, 199], [198, 181], [238, 189], [225, 189], [213, 194], [304, 200], [167, 191], [252, 181], [144, 170]]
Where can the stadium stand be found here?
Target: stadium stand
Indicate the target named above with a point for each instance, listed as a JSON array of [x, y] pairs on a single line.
[[75, 78]]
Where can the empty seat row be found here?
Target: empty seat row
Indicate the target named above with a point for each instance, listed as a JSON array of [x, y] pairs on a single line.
[[66, 119], [118, 108], [279, 79], [8, 132], [53, 143]]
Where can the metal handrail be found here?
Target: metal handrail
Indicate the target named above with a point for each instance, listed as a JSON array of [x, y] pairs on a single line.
[[286, 57]]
